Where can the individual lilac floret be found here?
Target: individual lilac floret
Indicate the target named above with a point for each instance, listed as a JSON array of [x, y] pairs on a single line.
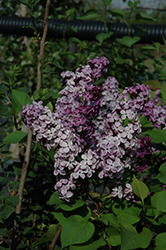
[[126, 193]]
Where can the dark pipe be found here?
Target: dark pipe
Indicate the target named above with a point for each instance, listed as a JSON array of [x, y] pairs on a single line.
[[86, 30]]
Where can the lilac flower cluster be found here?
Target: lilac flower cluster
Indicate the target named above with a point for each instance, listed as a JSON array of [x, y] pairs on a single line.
[[143, 154], [95, 130], [140, 94], [44, 123]]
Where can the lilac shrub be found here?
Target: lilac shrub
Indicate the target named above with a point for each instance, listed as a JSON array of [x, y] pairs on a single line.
[[96, 131]]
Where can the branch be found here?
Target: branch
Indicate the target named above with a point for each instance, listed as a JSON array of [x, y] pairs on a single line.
[[29, 138], [52, 245], [24, 171], [21, 188], [42, 44], [16, 178], [105, 237]]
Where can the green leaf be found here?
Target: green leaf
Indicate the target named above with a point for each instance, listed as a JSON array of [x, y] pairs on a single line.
[[62, 215], [29, 218], [70, 11], [47, 236], [71, 28], [132, 240], [17, 170], [133, 5], [50, 106], [140, 189], [14, 184], [74, 40], [27, 230], [107, 2], [6, 211], [109, 219], [57, 64], [162, 175], [72, 205], [103, 36], [23, 89], [4, 110], [36, 95], [22, 245], [145, 123], [67, 206], [90, 14], [2, 179], [3, 232], [129, 215], [157, 136], [26, 2], [128, 41], [144, 16], [106, 196], [160, 241], [145, 206], [80, 231], [54, 199], [139, 31], [162, 219], [118, 12], [3, 90], [37, 1], [14, 137], [59, 216], [94, 194], [158, 200], [147, 48], [57, 247], [153, 84], [19, 99], [114, 235], [94, 245], [157, 45], [12, 200]]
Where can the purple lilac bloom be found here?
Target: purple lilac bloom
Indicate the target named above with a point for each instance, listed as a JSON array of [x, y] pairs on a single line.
[[143, 154], [95, 130]]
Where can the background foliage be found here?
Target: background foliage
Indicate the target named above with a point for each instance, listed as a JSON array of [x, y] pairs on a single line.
[[42, 211]]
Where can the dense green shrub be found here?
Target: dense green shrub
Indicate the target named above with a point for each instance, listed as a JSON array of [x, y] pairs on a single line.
[[98, 215]]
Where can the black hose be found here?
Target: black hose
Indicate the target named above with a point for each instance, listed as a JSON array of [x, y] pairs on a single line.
[[86, 30]]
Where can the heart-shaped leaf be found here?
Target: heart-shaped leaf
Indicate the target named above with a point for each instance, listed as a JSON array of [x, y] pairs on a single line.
[[160, 241], [103, 36], [76, 230], [128, 41], [130, 239]]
